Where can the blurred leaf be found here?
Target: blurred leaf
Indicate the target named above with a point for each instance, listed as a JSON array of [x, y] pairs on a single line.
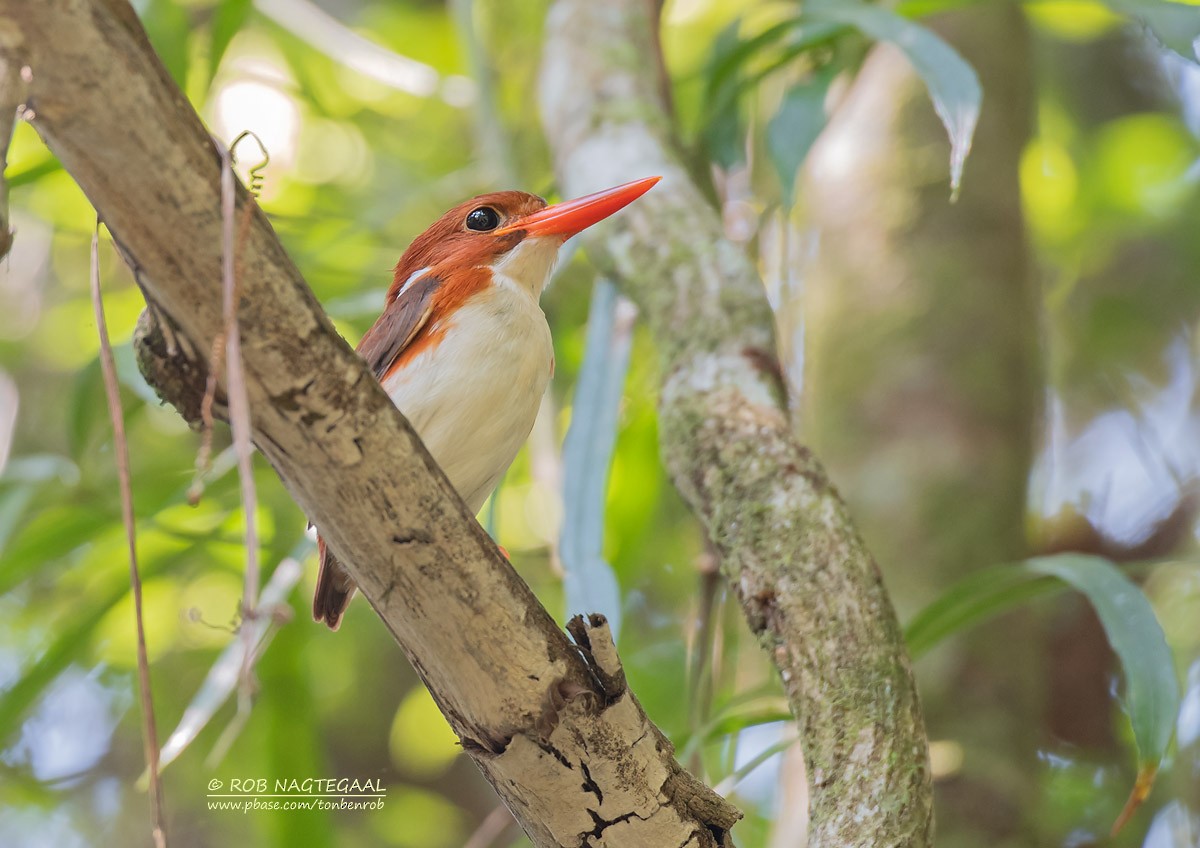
[[1151, 688], [39, 468], [49, 165], [52, 534], [60, 529], [168, 27], [21, 479], [12, 508], [131, 376], [227, 20], [34, 679], [793, 129], [722, 131], [421, 742], [974, 600], [83, 422], [763, 705], [727, 785], [591, 585], [223, 676], [294, 744], [730, 75], [737, 723], [952, 83], [418, 818], [730, 54], [1176, 25]]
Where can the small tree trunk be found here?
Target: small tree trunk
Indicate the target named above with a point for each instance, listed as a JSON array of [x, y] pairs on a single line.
[[921, 387]]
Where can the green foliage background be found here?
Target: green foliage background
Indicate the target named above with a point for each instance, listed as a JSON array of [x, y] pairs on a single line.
[[359, 167]]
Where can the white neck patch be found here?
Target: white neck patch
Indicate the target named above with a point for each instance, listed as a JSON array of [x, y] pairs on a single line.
[[528, 265]]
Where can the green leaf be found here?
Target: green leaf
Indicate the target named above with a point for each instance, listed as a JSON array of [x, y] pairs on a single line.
[[19, 483], [34, 172], [15, 700], [1151, 688], [131, 376], [729, 77], [722, 131], [730, 54], [952, 83], [72, 639], [972, 601], [168, 27], [737, 776], [793, 129], [1176, 25], [49, 535], [227, 21]]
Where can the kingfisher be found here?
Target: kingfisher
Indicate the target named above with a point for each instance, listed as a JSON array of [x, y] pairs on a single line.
[[462, 346]]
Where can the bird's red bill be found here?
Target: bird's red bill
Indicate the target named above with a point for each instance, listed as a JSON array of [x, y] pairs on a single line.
[[573, 216]]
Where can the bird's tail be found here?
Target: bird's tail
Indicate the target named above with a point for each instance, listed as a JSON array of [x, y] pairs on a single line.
[[334, 588]]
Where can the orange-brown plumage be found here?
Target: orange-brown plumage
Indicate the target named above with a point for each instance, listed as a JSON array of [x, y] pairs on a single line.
[[447, 246], [462, 346]]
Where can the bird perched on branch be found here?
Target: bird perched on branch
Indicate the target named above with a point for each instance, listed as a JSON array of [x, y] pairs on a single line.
[[462, 347]]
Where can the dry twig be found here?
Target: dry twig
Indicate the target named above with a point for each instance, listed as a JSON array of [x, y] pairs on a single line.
[[112, 392], [239, 409]]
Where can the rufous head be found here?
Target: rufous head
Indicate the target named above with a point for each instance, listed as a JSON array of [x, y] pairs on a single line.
[[513, 233]]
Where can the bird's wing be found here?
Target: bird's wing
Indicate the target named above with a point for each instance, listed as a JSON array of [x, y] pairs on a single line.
[[399, 324]]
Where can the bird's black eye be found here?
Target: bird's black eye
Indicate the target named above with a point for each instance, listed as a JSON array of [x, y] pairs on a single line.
[[483, 219]]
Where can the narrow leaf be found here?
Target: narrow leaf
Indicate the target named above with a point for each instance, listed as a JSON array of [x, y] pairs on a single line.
[[952, 83], [729, 75], [168, 27], [591, 585], [16, 700], [227, 20], [974, 600], [731, 53], [1151, 689], [72, 636], [722, 130], [793, 129], [1175, 25]]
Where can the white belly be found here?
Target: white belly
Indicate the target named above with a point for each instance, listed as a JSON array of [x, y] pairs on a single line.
[[473, 397]]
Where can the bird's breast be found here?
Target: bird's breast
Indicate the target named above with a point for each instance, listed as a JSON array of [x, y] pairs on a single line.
[[474, 395]]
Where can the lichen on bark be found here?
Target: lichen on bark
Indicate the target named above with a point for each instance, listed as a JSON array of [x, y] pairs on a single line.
[[809, 588]]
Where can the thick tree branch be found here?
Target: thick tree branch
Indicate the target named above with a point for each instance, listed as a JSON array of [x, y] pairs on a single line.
[[808, 587], [550, 724]]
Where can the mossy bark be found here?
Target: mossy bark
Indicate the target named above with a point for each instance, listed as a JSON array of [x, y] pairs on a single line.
[[922, 384], [808, 586]]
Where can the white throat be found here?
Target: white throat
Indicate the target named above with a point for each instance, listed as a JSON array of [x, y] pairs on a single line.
[[528, 265]]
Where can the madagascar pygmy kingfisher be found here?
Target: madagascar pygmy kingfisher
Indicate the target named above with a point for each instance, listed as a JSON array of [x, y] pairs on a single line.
[[463, 348]]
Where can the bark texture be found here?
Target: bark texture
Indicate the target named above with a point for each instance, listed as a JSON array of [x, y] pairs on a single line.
[[10, 100], [808, 586], [921, 383], [550, 724]]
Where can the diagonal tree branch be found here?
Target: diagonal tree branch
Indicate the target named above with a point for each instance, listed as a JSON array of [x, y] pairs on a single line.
[[808, 587], [551, 725]]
